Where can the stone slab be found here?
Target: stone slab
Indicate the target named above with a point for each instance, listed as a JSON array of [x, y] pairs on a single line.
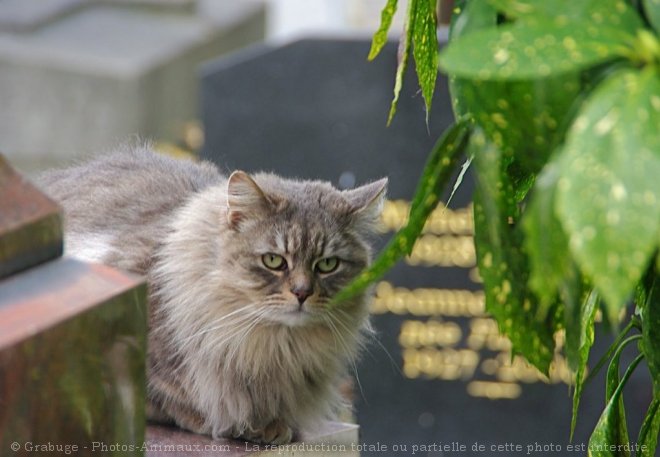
[[72, 360], [108, 71], [30, 224], [332, 439]]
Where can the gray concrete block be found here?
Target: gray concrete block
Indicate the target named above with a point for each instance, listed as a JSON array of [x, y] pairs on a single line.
[[105, 72]]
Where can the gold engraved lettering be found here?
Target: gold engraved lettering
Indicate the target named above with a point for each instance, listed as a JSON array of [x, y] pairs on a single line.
[[494, 390], [416, 334], [484, 334], [446, 364], [427, 302], [442, 220], [438, 347], [443, 251]]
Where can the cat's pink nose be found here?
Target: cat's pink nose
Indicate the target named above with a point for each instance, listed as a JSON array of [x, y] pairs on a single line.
[[301, 293]]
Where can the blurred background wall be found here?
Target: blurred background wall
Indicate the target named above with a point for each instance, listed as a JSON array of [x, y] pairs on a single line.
[[79, 76]]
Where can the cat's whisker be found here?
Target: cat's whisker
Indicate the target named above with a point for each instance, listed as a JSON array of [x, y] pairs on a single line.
[[347, 349], [223, 325], [234, 326], [372, 335], [332, 329], [259, 314]]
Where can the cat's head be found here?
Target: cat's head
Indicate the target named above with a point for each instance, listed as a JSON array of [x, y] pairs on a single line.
[[295, 244]]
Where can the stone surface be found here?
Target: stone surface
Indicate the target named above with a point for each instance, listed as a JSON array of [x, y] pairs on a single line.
[[436, 371], [72, 351], [332, 439], [106, 71], [26, 15], [30, 224]]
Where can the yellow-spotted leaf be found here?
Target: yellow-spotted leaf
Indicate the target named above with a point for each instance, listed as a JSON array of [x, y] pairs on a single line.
[[610, 13], [608, 198], [402, 56], [502, 263], [587, 316], [528, 51], [380, 37], [425, 48], [524, 119]]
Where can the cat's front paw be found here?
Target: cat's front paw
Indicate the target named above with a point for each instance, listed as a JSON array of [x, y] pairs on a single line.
[[277, 432]]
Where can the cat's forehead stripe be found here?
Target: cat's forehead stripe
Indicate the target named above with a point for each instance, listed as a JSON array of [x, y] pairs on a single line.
[[280, 241]]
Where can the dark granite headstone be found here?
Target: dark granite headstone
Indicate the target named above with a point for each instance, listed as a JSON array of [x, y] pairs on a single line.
[[440, 375]]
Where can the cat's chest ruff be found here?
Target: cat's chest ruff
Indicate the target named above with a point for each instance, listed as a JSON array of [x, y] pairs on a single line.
[[295, 353]]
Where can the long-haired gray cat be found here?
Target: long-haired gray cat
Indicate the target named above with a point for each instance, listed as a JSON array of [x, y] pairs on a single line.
[[242, 342]]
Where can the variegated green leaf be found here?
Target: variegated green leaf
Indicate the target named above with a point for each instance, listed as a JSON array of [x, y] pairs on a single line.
[[650, 314], [467, 17], [404, 51], [442, 161], [555, 276], [609, 430], [539, 109], [425, 48], [609, 13], [608, 199], [545, 240], [648, 434], [652, 9], [501, 260], [527, 51], [380, 37], [610, 351], [587, 316]]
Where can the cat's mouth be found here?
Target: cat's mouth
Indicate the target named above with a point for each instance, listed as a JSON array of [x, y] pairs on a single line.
[[296, 315]]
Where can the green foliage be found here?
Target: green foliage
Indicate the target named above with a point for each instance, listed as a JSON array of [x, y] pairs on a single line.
[[564, 100], [526, 51], [420, 33], [611, 427], [577, 360], [425, 48], [615, 234], [501, 260], [380, 37], [440, 165], [649, 307], [652, 9], [648, 435]]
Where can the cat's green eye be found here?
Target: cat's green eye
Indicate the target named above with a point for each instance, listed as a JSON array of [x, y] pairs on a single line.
[[327, 265], [274, 261]]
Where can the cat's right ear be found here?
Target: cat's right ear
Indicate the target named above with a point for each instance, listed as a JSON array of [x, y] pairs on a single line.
[[245, 199]]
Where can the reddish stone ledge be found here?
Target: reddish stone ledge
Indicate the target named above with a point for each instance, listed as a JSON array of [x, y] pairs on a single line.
[[30, 224], [72, 350], [332, 439]]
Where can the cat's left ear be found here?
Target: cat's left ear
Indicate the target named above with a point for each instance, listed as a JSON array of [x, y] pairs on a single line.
[[245, 199], [367, 201]]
